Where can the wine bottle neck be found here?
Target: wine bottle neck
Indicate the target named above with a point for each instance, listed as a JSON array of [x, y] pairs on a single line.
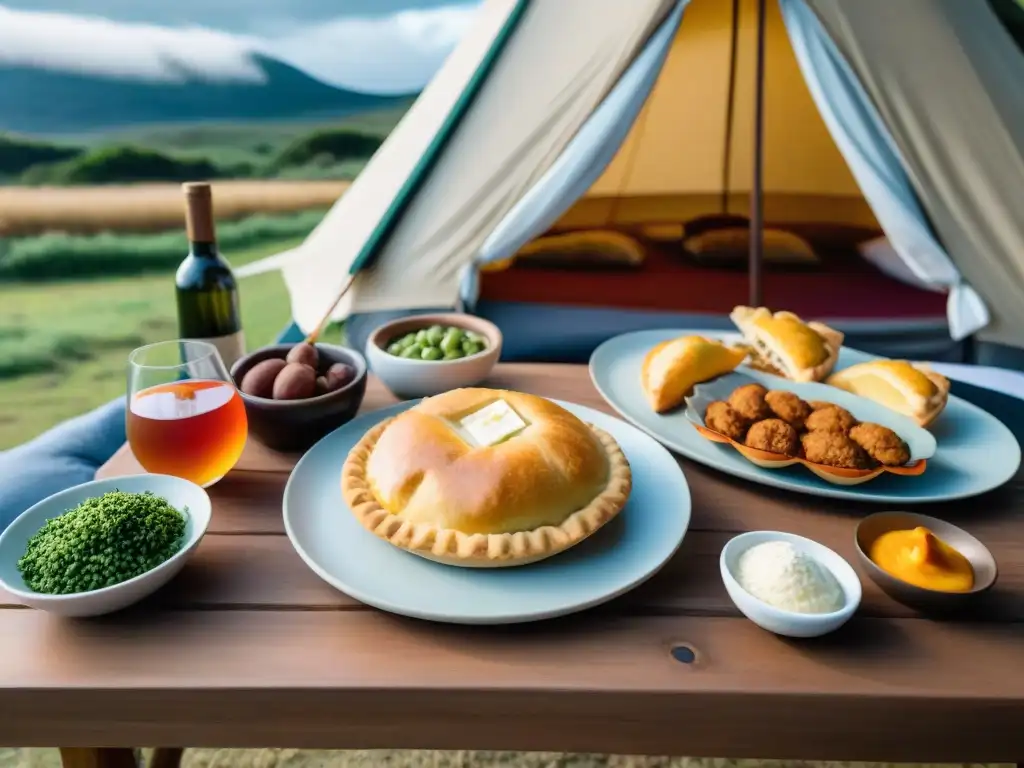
[[203, 249]]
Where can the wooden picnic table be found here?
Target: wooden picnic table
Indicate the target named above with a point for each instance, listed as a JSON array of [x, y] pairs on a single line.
[[249, 648]]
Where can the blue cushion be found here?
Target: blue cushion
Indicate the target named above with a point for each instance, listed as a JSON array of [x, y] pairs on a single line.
[[66, 455]]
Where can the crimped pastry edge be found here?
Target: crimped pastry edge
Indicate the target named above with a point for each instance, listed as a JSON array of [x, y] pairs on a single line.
[[482, 550]]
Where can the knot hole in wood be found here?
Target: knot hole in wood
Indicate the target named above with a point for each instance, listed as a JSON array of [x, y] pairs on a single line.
[[684, 653]]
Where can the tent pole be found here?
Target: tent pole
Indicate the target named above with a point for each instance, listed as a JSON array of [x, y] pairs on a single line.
[[730, 106], [756, 200]]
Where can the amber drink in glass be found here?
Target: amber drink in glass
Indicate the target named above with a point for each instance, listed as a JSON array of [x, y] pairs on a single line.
[[185, 417]]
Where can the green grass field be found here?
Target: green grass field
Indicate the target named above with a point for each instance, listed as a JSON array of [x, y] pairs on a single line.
[[63, 346], [228, 143]]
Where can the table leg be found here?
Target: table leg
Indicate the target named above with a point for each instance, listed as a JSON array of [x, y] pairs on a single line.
[[96, 757], [165, 757]]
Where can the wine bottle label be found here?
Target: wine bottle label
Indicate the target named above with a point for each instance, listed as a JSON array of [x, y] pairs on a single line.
[[231, 347]]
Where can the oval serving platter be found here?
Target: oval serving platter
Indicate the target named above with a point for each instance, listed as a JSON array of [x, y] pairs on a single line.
[[920, 441], [976, 452]]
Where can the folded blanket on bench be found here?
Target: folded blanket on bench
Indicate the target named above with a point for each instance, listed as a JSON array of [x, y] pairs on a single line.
[[66, 455]]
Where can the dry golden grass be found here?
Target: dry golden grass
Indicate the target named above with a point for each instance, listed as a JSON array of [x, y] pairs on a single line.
[[149, 207]]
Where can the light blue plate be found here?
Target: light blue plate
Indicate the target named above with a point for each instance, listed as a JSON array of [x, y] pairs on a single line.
[[627, 551], [975, 452]]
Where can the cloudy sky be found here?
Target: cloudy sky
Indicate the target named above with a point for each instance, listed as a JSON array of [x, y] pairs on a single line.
[[386, 46]]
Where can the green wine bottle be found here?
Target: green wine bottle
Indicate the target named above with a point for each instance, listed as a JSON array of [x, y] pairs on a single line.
[[205, 286]]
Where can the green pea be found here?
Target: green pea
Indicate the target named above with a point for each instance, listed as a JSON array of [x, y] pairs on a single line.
[[413, 351], [434, 334], [421, 336], [452, 340], [472, 348], [431, 353], [398, 344], [455, 354]]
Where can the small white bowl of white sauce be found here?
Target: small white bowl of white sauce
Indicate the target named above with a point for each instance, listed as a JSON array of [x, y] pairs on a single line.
[[789, 585]]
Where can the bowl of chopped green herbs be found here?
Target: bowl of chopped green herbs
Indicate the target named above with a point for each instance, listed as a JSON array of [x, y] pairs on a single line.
[[102, 546]]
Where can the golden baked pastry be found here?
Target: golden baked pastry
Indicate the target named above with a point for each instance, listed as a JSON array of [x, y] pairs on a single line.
[[483, 478], [671, 369], [783, 343], [912, 389]]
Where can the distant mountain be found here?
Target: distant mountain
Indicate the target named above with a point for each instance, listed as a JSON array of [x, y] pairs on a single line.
[[46, 101]]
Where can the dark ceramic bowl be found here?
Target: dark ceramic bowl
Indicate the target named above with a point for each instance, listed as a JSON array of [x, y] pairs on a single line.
[[919, 598], [295, 425]]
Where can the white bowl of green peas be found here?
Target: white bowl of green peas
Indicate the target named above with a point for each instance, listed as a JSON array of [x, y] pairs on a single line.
[[425, 355]]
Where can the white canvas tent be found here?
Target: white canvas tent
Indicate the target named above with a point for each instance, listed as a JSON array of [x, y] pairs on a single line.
[[529, 112]]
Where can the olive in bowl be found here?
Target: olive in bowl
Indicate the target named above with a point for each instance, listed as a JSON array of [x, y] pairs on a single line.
[[424, 355], [295, 394]]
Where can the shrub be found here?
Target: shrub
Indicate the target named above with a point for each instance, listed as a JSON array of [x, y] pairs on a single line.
[[131, 164], [57, 256], [17, 155], [325, 147]]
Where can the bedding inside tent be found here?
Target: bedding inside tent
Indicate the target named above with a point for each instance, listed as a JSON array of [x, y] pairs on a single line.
[[843, 285]]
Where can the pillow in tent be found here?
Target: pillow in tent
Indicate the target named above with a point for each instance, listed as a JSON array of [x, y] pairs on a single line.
[[67, 455], [661, 233], [598, 248], [730, 247]]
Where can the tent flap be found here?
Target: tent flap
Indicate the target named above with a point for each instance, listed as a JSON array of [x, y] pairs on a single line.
[[581, 163], [946, 77], [875, 162]]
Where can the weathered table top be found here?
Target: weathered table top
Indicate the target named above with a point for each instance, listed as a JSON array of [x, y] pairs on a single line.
[[247, 647]]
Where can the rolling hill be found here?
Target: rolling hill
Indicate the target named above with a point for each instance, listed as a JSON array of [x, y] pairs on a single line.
[[41, 101]]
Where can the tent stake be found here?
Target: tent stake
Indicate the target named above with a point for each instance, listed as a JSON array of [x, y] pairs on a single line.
[[756, 200]]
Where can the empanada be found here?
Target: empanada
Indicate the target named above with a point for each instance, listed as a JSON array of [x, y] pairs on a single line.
[[672, 368], [912, 389], [782, 343]]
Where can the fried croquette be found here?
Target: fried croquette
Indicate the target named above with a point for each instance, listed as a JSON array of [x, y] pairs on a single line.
[[748, 402], [830, 419], [722, 417], [881, 444], [774, 436], [834, 449], [817, 405], [788, 407]]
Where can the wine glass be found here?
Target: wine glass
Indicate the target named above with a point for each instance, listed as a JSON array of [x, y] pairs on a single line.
[[185, 416]]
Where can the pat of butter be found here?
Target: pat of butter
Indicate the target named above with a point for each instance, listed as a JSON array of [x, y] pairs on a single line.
[[493, 423]]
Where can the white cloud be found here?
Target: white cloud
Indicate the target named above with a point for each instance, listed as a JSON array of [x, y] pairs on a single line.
[[393, 53], [97, 46]]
